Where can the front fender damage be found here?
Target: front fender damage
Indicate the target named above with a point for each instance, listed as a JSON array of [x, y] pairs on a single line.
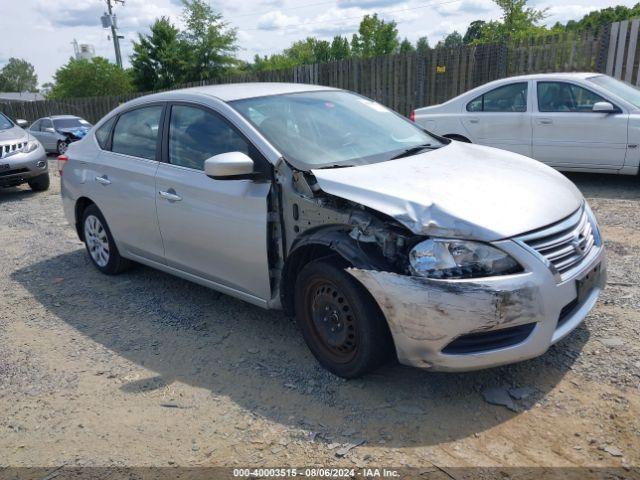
[[425, 315]]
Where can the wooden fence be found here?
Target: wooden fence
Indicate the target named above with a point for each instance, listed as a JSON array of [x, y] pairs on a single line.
[[408, 81]]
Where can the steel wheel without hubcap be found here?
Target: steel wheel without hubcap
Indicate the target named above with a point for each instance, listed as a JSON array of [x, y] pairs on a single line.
[[62, 147], [97, 242], [333, 322]]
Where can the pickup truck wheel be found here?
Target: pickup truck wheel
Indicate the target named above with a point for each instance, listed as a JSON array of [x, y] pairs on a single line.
[[99, 242], [40, 183], [340, 322]]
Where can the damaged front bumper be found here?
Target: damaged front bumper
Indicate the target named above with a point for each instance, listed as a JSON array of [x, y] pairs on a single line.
[[459, 325]]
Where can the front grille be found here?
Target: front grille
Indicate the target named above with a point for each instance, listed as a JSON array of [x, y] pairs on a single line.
[[6, 173], [566, 243], [11, 148], [491, 340]]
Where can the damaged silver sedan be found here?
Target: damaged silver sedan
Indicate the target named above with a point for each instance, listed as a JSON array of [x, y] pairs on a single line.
[[381, 239]]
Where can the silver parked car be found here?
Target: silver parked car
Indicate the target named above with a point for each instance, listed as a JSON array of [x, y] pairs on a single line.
[[585, 122], [58, 131], [22, 158], [380, 238]]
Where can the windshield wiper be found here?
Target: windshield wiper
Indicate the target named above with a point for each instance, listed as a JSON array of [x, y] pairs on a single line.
[[413, 150]]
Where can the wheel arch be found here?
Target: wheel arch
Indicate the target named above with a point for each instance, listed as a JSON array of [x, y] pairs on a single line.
[[81, 204], [458, 137], [326, 242]]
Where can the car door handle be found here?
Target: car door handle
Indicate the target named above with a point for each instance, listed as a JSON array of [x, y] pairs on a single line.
[[103, 180], [170, 195], [545, 121], [474, 120]]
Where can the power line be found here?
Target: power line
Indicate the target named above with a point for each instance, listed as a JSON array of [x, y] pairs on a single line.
[[355, 17]]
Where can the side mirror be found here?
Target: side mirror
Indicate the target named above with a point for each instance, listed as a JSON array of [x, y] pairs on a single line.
[[50, 130], [229, 166], [603, 107], [22, 123]]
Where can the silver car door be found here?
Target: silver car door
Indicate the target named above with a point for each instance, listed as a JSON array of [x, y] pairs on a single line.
[[214, 229], [501, 118], [567, 133], [122, 182], [34, 130], [48, 136]]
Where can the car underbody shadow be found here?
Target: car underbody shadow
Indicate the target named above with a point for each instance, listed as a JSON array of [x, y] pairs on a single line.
[[182, 332]]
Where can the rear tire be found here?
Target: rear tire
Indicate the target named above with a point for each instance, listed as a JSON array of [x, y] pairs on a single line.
[[40, 183], [340, 322], [100, 245]]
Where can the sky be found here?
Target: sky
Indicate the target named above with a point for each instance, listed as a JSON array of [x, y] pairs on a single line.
[[42, 31]]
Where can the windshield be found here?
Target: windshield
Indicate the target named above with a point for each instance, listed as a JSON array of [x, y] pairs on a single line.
[[71, 123], [623, 90], [332, 128], [5, 123]]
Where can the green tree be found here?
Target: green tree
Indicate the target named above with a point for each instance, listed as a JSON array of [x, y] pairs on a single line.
[[598, 18], [18, 75], [406, 46], [422, 46], [89, 78], [210, 43], [474, 32], [454, 39], [158, 59], [340, 48], [375, 37], [517, 21]]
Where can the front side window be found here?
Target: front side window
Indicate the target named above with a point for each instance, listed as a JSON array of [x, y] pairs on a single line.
[[565, 97], [332, 128], [46, 123], [136, 133], [196, 134], [508, 98], [102, 134], [36, 126]]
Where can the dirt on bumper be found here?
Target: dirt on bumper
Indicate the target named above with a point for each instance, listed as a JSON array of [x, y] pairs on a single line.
[[425, 315]]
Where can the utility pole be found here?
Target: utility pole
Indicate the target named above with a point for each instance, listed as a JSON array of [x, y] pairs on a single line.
[[109, 20]]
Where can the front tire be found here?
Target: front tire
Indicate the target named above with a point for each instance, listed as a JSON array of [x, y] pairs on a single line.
[[100, 244], [62, 147], [40, 183], [340, 322]]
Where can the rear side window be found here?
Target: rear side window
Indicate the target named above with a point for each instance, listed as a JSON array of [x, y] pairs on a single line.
[[102, 134], [508, 98], [565, 97], [136, 133], [196, 134]]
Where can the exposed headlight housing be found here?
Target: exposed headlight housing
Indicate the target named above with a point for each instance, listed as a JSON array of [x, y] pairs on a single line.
[[446, 258], [31, 146]]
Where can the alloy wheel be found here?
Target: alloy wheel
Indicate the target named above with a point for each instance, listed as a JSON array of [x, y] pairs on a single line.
[[97, 241]]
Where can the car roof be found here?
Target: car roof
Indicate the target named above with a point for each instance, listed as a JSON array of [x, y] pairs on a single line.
[[60, 117], [237, 91], [540, 76]]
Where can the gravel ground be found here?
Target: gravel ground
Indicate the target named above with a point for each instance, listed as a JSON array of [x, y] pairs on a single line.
[[145, 369]]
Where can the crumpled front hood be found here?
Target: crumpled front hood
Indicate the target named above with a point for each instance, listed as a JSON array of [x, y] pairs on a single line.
[[78, 132], [460, 190], [11, 135]]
